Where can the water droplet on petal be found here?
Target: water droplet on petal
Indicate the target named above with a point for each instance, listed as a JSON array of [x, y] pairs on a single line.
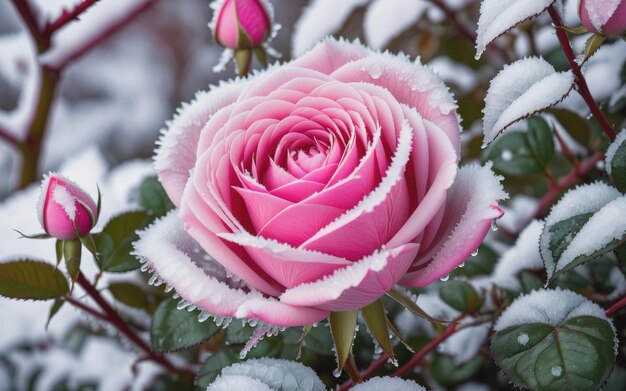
[[445, 278], [494, 226], [337, 372], [475, 253]]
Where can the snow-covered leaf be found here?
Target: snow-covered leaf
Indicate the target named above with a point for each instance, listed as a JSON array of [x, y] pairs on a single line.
[[552, 339], [267, 374], [586, 223], [386, 19], [320, 19], [175, 329], [521, 89], [499, 16], [388, 384], [616, 161]]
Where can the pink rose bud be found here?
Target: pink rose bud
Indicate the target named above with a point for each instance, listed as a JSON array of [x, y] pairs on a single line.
[[604, 16], [65, 209], [241, 24]]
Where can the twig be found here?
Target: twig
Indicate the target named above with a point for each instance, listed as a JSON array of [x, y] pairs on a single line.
[[23, 8], [9, 138], [616, 307], [103, 35], [581, 83], [68, 16], [114, 319], [86, 308]]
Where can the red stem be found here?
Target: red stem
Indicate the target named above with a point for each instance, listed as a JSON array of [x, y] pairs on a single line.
[[86, 308], [566, 182], [104, 34], [9, 138], [30, 21], [68, 16], [113, 317], [616, 307], [581, 83]]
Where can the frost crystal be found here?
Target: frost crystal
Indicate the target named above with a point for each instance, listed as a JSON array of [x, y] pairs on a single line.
[[522, 339], [388, 384]]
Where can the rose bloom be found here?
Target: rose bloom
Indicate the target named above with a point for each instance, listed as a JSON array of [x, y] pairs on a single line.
[[604, 16], [316, 186]]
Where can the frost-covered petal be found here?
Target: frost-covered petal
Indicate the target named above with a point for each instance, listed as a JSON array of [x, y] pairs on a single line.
[[356, 285], [176, 154], [275, 374], [499, 16], [471, 207], [181, 263], [520, 90], [388, 384]]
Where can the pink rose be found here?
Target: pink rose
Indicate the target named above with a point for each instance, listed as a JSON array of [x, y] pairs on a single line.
[[316, 186], [65, 209], [241, 24], [604, 16]]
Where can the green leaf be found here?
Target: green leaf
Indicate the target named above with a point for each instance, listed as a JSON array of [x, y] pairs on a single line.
[[129, 294], [411, 305], [376, 321], [343, 327], [237, 332], [319, 340], [174, 329], [482, 263], [575, 125], [33, 236], [58, 247], [114, 243], [460, 295], [530, 281], [448, 374], [592, 45], [153, 197], [28, 279], [56, 306], [540, 140], [577, 354], [214, 365], [618, 164], [512, 155], [72, 250]]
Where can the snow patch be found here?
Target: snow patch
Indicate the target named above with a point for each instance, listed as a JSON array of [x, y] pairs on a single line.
[[610, 153], [388, 384], [386, 19]]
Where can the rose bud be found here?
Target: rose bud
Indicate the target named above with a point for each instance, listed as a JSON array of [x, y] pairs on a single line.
[[241, 24], [606, 17], [65, 210]]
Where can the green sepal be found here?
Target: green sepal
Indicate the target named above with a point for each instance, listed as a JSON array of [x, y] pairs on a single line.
[[592, 45], [72, 253], [576, 30], [343, 329], [90, 244], [398, 335], [260, 55], [58, 247], [34, 236], [410, 305], [305, 331], [376, 321], [243, 58]]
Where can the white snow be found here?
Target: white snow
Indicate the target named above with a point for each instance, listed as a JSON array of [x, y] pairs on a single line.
[[521, 89], [612, 150], [583, 199], [524, 255], [388, 384], [319, 19], [465, 343], [517, 212], [556, 370], [386, 19], [499, 16], [455, 73], [551, 307], [603, 228], [62, 196], [268, 374]]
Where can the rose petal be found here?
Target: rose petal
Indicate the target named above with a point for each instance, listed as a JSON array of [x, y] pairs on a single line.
[[178, 260], [356, 285], [471, 206], [176, 151], [330, 54]]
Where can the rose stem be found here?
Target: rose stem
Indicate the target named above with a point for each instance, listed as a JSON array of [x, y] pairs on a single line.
[[581, 83], [410, 364], [114, 319], [352, 370], [68, 16], [616, 307], [30, 146]]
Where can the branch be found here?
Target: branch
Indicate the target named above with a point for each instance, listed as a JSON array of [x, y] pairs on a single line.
[[28, 17], [9, 138], [103, 35], [68, 16], [616, 307], [581, 83]]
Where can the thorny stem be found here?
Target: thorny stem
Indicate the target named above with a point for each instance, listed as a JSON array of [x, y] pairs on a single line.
[[426, 349], [86, 308], [352, 370], [469, 34], [581, 83], [68, 16], [30, 146], [112, 317], [616, 307]]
